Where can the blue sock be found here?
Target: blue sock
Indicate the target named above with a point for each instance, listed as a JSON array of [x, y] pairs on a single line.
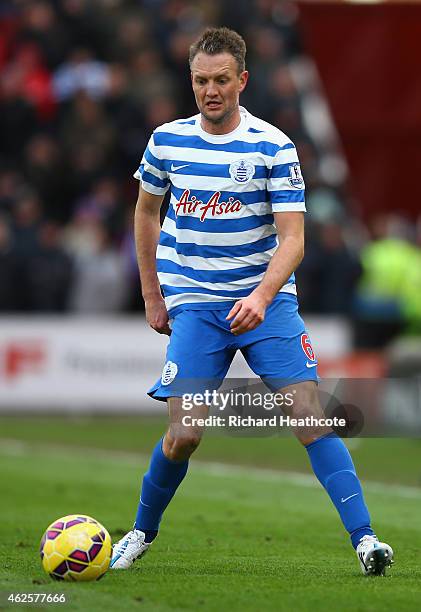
[[333, 466], [158, 488]]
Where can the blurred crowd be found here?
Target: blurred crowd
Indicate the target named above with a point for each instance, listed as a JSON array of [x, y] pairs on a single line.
[[83, 83]]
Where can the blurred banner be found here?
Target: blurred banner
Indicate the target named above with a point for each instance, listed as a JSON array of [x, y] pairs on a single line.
[[78, 364], [103, 364]]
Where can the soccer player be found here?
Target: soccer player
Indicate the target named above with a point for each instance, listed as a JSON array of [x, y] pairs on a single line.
[[224, 261]]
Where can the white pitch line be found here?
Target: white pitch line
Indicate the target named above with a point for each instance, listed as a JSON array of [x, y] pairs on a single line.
[[299, 479], [13, 447]]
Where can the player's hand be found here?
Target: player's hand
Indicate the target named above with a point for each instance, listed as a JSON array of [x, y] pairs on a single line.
[[247, 314], [157, 316]]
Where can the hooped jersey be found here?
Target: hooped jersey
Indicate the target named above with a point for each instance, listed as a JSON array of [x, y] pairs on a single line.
[[219, 235]]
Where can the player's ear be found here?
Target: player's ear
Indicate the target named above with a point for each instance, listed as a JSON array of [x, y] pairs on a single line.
[[243, 78]]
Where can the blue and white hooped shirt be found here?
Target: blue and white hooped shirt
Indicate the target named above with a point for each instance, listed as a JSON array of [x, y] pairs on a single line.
[[219, 234]]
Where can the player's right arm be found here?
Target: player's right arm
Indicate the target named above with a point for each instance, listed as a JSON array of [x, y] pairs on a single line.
[[146, 230]]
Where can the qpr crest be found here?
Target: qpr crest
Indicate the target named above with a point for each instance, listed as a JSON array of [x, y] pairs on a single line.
[[295, 177], [169, 373], [241, 171]]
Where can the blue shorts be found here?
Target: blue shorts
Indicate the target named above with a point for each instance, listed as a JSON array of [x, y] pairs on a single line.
[[202, 347]]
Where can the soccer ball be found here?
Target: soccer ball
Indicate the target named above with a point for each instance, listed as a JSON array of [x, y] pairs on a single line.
[[76, 548]]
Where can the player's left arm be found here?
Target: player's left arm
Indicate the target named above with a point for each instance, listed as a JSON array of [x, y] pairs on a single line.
[[249, 312]]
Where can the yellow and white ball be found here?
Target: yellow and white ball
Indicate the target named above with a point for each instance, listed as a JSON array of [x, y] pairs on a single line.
[[76, 548]]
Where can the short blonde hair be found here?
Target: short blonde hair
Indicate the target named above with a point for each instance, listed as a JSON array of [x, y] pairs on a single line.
[[221, 40]]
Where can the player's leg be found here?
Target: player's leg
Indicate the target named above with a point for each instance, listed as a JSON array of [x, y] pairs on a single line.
[[168, 466], [167, 469], [186, 371], [279, 355], [335, 470]]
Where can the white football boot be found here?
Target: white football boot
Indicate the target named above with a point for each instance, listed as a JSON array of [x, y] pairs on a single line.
[[374, 556], [128, 549]]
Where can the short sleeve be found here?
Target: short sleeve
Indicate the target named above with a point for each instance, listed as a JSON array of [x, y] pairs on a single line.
[[151, 172], [285, 183]]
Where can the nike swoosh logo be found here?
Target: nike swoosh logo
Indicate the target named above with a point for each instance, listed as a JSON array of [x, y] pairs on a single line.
[[344, 499], [311, 365], [175, 168], [143, 504]]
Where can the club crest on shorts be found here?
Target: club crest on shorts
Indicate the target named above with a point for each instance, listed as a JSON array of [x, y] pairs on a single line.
[[169, 373], [242, 171], [295, 177]]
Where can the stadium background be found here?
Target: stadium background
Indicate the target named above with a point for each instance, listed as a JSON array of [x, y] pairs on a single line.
[[82, 85]]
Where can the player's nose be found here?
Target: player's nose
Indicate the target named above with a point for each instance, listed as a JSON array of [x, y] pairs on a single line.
[[211, 90]]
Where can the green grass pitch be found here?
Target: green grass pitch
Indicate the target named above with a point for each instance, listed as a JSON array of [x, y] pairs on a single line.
[[239, 535]]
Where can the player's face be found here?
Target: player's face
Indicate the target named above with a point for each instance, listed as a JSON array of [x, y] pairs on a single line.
[[217, 87]]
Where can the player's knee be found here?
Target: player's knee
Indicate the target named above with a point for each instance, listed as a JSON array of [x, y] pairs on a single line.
[[188, 441], [304, 411], [310, 422], [181, 444], [306, 403]]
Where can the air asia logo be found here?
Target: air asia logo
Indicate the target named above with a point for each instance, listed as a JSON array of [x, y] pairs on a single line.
[[242, 171], [307, 348], [214, 207], [20, 358]]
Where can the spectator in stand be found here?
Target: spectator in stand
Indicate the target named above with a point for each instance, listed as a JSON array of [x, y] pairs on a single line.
[[44, 169], [18, 119], [48, 272], [32, 81], [131, 38], [267, 54], [89, 140], [149, 78], [81, 72], [282, 15], [385, 261], [104, 203], [87, 123], [388, 299], [10, 299], [329, 273], [11, 183], [340, 270], [128, 119], [101, 283], [42, 26], [78, 234], [26, 223]]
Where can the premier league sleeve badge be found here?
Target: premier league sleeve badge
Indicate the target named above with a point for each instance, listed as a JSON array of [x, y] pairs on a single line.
[[295, 177]]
